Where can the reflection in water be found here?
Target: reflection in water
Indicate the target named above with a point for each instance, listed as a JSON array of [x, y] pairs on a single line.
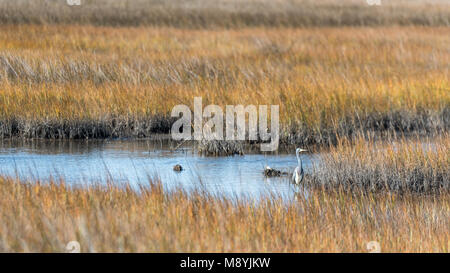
[[135, 162]]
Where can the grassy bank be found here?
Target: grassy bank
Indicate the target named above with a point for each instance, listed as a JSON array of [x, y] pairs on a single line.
[[227, 13], [400, 166], [98, 82], [44, 218]]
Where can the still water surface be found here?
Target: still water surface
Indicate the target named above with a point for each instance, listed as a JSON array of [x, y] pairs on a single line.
[[134, 162]]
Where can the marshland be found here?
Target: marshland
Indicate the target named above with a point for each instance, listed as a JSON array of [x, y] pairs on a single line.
[[86, 94]]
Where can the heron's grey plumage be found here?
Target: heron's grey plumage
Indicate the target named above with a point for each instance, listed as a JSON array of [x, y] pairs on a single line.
[[298, 174]]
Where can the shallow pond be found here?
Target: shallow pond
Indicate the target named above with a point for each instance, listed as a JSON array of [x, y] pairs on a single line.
[[134, 162]]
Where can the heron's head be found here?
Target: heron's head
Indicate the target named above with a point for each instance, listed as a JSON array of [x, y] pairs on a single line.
[[300, 150]]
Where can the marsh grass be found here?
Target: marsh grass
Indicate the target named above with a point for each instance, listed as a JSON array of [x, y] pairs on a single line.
[[44, 217], [338, 70], [420, 166], [202, 14], [101, 82], [220, 147]]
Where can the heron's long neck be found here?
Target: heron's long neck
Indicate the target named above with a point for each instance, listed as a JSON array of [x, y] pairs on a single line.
[[299, 161]]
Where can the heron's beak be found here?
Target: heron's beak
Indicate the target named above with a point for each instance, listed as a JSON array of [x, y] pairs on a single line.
[[303, 150]]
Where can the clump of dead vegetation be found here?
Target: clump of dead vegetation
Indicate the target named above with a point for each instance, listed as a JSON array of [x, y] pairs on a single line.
[[220, 147]]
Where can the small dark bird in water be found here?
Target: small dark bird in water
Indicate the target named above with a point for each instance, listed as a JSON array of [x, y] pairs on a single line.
[[177, 168], [269, 172]]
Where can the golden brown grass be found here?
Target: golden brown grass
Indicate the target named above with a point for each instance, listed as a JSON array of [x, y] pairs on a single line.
[[85, 81]]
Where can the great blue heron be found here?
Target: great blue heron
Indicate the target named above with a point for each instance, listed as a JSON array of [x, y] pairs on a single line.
[[298, 174]]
